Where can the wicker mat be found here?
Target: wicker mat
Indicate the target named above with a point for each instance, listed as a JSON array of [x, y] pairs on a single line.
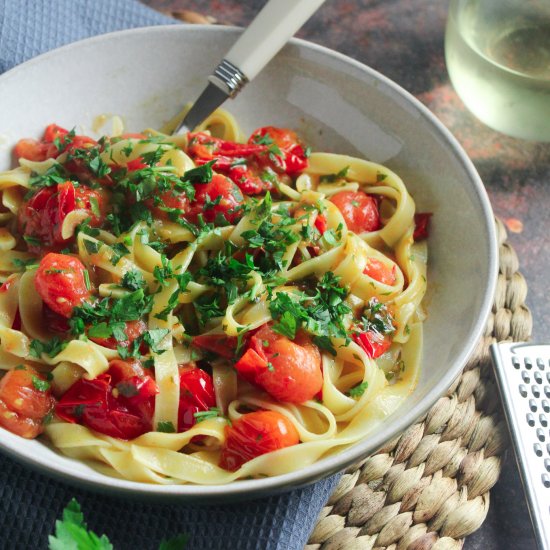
[[429, 488]]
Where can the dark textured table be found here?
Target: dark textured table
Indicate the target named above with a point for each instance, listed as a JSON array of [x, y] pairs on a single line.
[[404, 39]]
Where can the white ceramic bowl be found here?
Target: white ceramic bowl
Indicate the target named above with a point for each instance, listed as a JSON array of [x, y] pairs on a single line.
[[336, 104]]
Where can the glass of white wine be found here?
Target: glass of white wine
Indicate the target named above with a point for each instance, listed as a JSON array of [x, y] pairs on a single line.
[[498, 58]]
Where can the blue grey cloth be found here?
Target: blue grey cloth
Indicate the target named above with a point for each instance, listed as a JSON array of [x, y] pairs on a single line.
[[31, 502]]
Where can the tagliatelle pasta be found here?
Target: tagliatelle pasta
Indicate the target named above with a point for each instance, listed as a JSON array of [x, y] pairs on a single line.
[[195, 309]]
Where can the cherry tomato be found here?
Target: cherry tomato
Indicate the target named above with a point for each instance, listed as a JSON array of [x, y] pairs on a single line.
[[25, 400], [133, 330], [380, 272], [34, 150], [374, 343], [288, 370], [196, 395], [118, 403], [168, 199], [203, 148], [52, 132], [248, 178], [41, 218], [255, 434], [61, 284], [218, 198], [292, 158], [220, 344], [360, 211], [421, 224]]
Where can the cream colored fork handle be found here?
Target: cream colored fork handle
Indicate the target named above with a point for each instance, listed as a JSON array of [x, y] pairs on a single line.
[[278, 21]]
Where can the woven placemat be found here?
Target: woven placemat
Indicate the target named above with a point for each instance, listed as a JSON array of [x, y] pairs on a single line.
[[429, 488]]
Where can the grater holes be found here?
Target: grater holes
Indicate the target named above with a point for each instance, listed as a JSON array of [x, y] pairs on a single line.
[[543, 421], [548, 376], [547, 464], [535, 390], [547, 449], [545, 406], [525, 376], [522, 390], [528, 363], [540, 363], [547, 391], [538, 377], [538, 449], [533, 405], [540, 435], [546, 480], [530, 419], [515, 362]]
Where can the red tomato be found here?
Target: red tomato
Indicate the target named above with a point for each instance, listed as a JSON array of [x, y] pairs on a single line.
[[133, 330], [203, 148], [118, 403], [23, 406], [255, 434], [196, 395], [360, 211], [168, 199], [52, 132], [248, 179], [224, 346], [421, 224], [61, 284], [32, 149], [288, 370], [41, 218], [136, 164], [374, 343], [210, 206], [292, 159], [321, 223], [380, 272]]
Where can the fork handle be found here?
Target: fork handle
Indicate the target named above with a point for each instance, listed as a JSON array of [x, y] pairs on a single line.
[[268, 33]]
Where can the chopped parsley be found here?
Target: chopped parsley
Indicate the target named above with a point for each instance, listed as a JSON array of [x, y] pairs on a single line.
[[166, 427], [359, 390]]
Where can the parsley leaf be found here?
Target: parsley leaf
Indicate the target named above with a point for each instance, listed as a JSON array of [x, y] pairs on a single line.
[[166, 427], [359, 390], [71, 533]]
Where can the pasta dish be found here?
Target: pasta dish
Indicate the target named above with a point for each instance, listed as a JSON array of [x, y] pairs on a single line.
[[204, 308]]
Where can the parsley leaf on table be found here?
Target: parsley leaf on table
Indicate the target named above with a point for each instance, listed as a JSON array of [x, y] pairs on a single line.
[[71, 533]]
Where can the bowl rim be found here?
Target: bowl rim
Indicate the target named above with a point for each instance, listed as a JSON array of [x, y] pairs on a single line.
[[337, 462]]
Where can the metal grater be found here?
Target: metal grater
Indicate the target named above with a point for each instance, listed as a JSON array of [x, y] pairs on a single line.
[[523, 376]]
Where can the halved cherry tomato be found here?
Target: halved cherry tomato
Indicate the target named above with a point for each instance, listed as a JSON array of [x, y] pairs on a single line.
[[219, 197], [25, 400], [374, 343], [196, 395], [421, 224], [41, 218], [34, 150], [289, 370], [118, 403], [60, 282], [255, 434], [380, 272], [133, 330], [292, 158], [360, 211], [220, 344], [53, 132]]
